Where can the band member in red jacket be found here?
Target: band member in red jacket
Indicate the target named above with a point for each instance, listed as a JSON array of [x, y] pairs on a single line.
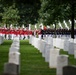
[[22, 33], [3, 32], [39, 34], [7, 33], [25, 34], [12, 34], [0, 31], [30, 33], [17, 33]]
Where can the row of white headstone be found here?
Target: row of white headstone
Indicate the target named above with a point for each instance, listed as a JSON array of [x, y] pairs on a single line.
[[67, 44], [14, 51], [12, 67], [50, 53]]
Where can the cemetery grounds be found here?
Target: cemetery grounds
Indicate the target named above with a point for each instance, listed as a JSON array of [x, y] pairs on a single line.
[[31, 60]]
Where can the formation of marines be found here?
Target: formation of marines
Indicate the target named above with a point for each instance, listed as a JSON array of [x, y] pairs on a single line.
[[25, 33], [9, 33]]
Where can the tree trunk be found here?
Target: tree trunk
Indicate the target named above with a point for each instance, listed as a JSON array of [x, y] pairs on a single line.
[[72, 19], [55, 30]]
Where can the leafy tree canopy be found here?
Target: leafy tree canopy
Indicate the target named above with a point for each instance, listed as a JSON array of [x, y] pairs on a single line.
[[10, 15]]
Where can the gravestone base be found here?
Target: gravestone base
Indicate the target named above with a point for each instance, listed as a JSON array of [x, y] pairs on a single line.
[[11, 69], [69, 70]]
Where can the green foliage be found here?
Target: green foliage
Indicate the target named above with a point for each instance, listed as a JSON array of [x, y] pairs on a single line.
[[10, 15], [28, 15], [53, 11], [1, 10], [26, 9], [45, 11]]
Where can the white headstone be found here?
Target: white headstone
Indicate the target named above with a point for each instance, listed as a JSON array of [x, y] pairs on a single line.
[[53, 58], [75, 50], [15, 45], [66, 45], [43, 51], [62, 60], [14, 49], [42, 45], [71, 48], [47, 52], [49, 40], [14, 57], [75, 54]]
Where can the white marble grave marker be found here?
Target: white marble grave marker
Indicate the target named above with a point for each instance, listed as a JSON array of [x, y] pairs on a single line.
[[53, 58], [75, 50], [14, 57], [71, 48], [66, 45], [62, 60], [14, 49], [47, 52]]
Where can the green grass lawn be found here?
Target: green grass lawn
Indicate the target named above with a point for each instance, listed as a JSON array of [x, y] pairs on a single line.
[[31, 60]]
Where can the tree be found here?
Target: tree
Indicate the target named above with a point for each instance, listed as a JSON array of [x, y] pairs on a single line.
[[10, 15], [1, 11], [53, 11], [72, 4], [28, 11]]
